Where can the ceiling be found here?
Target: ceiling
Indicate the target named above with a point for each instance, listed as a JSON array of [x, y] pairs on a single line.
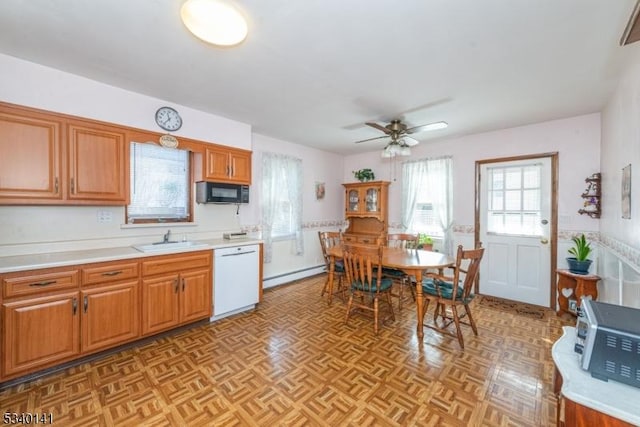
[[312, 72]]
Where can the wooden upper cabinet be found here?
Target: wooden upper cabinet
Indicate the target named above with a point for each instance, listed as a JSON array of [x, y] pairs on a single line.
[[50, 158], [223, 164], [368, 199], [97, 164], [366, 209], [30, 157]]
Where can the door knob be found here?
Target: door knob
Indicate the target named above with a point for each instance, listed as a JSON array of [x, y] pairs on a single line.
[[544, 222], [544, 241]]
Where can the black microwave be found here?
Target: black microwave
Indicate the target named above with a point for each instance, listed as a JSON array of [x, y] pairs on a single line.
[[220, 192]]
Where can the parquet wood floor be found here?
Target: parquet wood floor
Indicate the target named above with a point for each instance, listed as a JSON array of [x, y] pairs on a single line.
[[293, 362]]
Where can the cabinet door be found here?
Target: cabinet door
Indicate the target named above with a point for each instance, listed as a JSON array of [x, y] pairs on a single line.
[[160, 306], [240, 167], [39, 332], [30, 158], [353, 202], [109, 315], [195, 299], [372, 199], [227, 165], [217, 164], [97, 164]]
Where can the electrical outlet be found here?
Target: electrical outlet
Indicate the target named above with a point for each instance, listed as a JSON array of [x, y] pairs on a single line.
[[105, 216]]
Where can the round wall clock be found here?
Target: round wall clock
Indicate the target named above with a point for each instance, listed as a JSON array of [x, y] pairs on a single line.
[[168, 119]]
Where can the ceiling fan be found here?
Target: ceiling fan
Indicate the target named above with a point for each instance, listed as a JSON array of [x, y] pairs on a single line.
[[398, 132]]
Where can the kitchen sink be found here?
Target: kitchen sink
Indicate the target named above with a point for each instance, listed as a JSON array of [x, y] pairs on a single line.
[[169, 246]]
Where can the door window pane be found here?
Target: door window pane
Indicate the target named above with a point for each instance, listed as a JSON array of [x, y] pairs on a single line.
[[514, 208]]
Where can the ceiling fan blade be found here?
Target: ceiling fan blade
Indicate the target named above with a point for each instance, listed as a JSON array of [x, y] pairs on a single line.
[[409, 142], [430, 126], [371, 139], [379, 127]]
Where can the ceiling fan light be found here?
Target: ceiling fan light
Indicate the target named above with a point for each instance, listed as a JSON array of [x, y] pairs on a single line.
[[214, 21], [434, 126], [408, 141], [386, 153], [404, 151]]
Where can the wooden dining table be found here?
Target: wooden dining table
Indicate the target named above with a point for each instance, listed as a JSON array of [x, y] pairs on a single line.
[[411, 261]]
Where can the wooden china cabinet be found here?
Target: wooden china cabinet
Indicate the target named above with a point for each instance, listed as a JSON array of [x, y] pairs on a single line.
[[366, 209]]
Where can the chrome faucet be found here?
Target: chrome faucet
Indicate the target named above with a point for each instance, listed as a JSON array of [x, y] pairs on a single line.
[[165, 238]]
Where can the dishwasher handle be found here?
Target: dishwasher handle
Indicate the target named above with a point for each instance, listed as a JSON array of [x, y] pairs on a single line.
[[240, 253]]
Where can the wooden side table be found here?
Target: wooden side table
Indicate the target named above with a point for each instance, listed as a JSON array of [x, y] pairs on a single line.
[[579, 284]]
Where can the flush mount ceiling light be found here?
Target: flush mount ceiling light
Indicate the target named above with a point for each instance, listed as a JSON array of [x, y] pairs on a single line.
[[214, 21]]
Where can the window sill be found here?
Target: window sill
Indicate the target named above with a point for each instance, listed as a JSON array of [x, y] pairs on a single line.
[[159, 225]]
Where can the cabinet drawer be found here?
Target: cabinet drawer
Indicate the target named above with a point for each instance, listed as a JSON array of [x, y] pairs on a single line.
[[35, 283], [176, 263], [365, 239], [101, 273]]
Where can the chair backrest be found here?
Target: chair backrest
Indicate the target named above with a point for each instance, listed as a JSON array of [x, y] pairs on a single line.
[[362, 264], [402, 240], [328, 239], [473, 256]]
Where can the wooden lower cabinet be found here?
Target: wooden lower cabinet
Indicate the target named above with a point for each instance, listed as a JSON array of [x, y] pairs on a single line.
[[110, 315], [40, 332], [55, 315], [195, 300], [175, 299], [160, 305]]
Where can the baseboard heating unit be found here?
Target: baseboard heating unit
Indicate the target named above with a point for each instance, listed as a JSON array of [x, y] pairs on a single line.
[[291, 276]]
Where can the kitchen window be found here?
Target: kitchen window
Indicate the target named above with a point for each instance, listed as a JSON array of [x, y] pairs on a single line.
[[160, 179]]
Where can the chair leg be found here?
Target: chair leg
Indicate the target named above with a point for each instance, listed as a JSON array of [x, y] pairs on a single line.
[[349, 304], [454, 310], [471, 321], [375, 315], [324, 288], [393, 316], [425, 307], [436, 312]]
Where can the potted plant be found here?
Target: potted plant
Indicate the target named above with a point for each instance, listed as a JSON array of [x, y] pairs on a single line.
[[364, 175], [578, 263], [425, 242]]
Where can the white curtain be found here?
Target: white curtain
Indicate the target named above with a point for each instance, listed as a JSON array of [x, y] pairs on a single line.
[[281, 175], [436, 177], [440, 185], [413, 176]]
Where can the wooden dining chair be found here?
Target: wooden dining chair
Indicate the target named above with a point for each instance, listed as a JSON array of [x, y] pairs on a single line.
[[329, 239], [363, 272], [453, 292], [405, 241]]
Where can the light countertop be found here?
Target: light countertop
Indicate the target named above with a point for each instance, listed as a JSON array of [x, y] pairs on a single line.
[[60, 259], [609, 397]]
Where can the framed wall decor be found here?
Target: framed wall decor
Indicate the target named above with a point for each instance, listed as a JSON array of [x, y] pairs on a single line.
[[319, 190], [626, 192]]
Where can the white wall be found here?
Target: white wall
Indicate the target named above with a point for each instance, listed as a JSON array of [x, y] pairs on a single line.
[[620, 238], [34, 85], [576, 139]]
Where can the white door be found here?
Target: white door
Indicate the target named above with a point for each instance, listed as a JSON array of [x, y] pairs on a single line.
[[515, 224]]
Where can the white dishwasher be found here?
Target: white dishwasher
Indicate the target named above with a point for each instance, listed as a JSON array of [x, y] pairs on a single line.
[[235, 280]]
